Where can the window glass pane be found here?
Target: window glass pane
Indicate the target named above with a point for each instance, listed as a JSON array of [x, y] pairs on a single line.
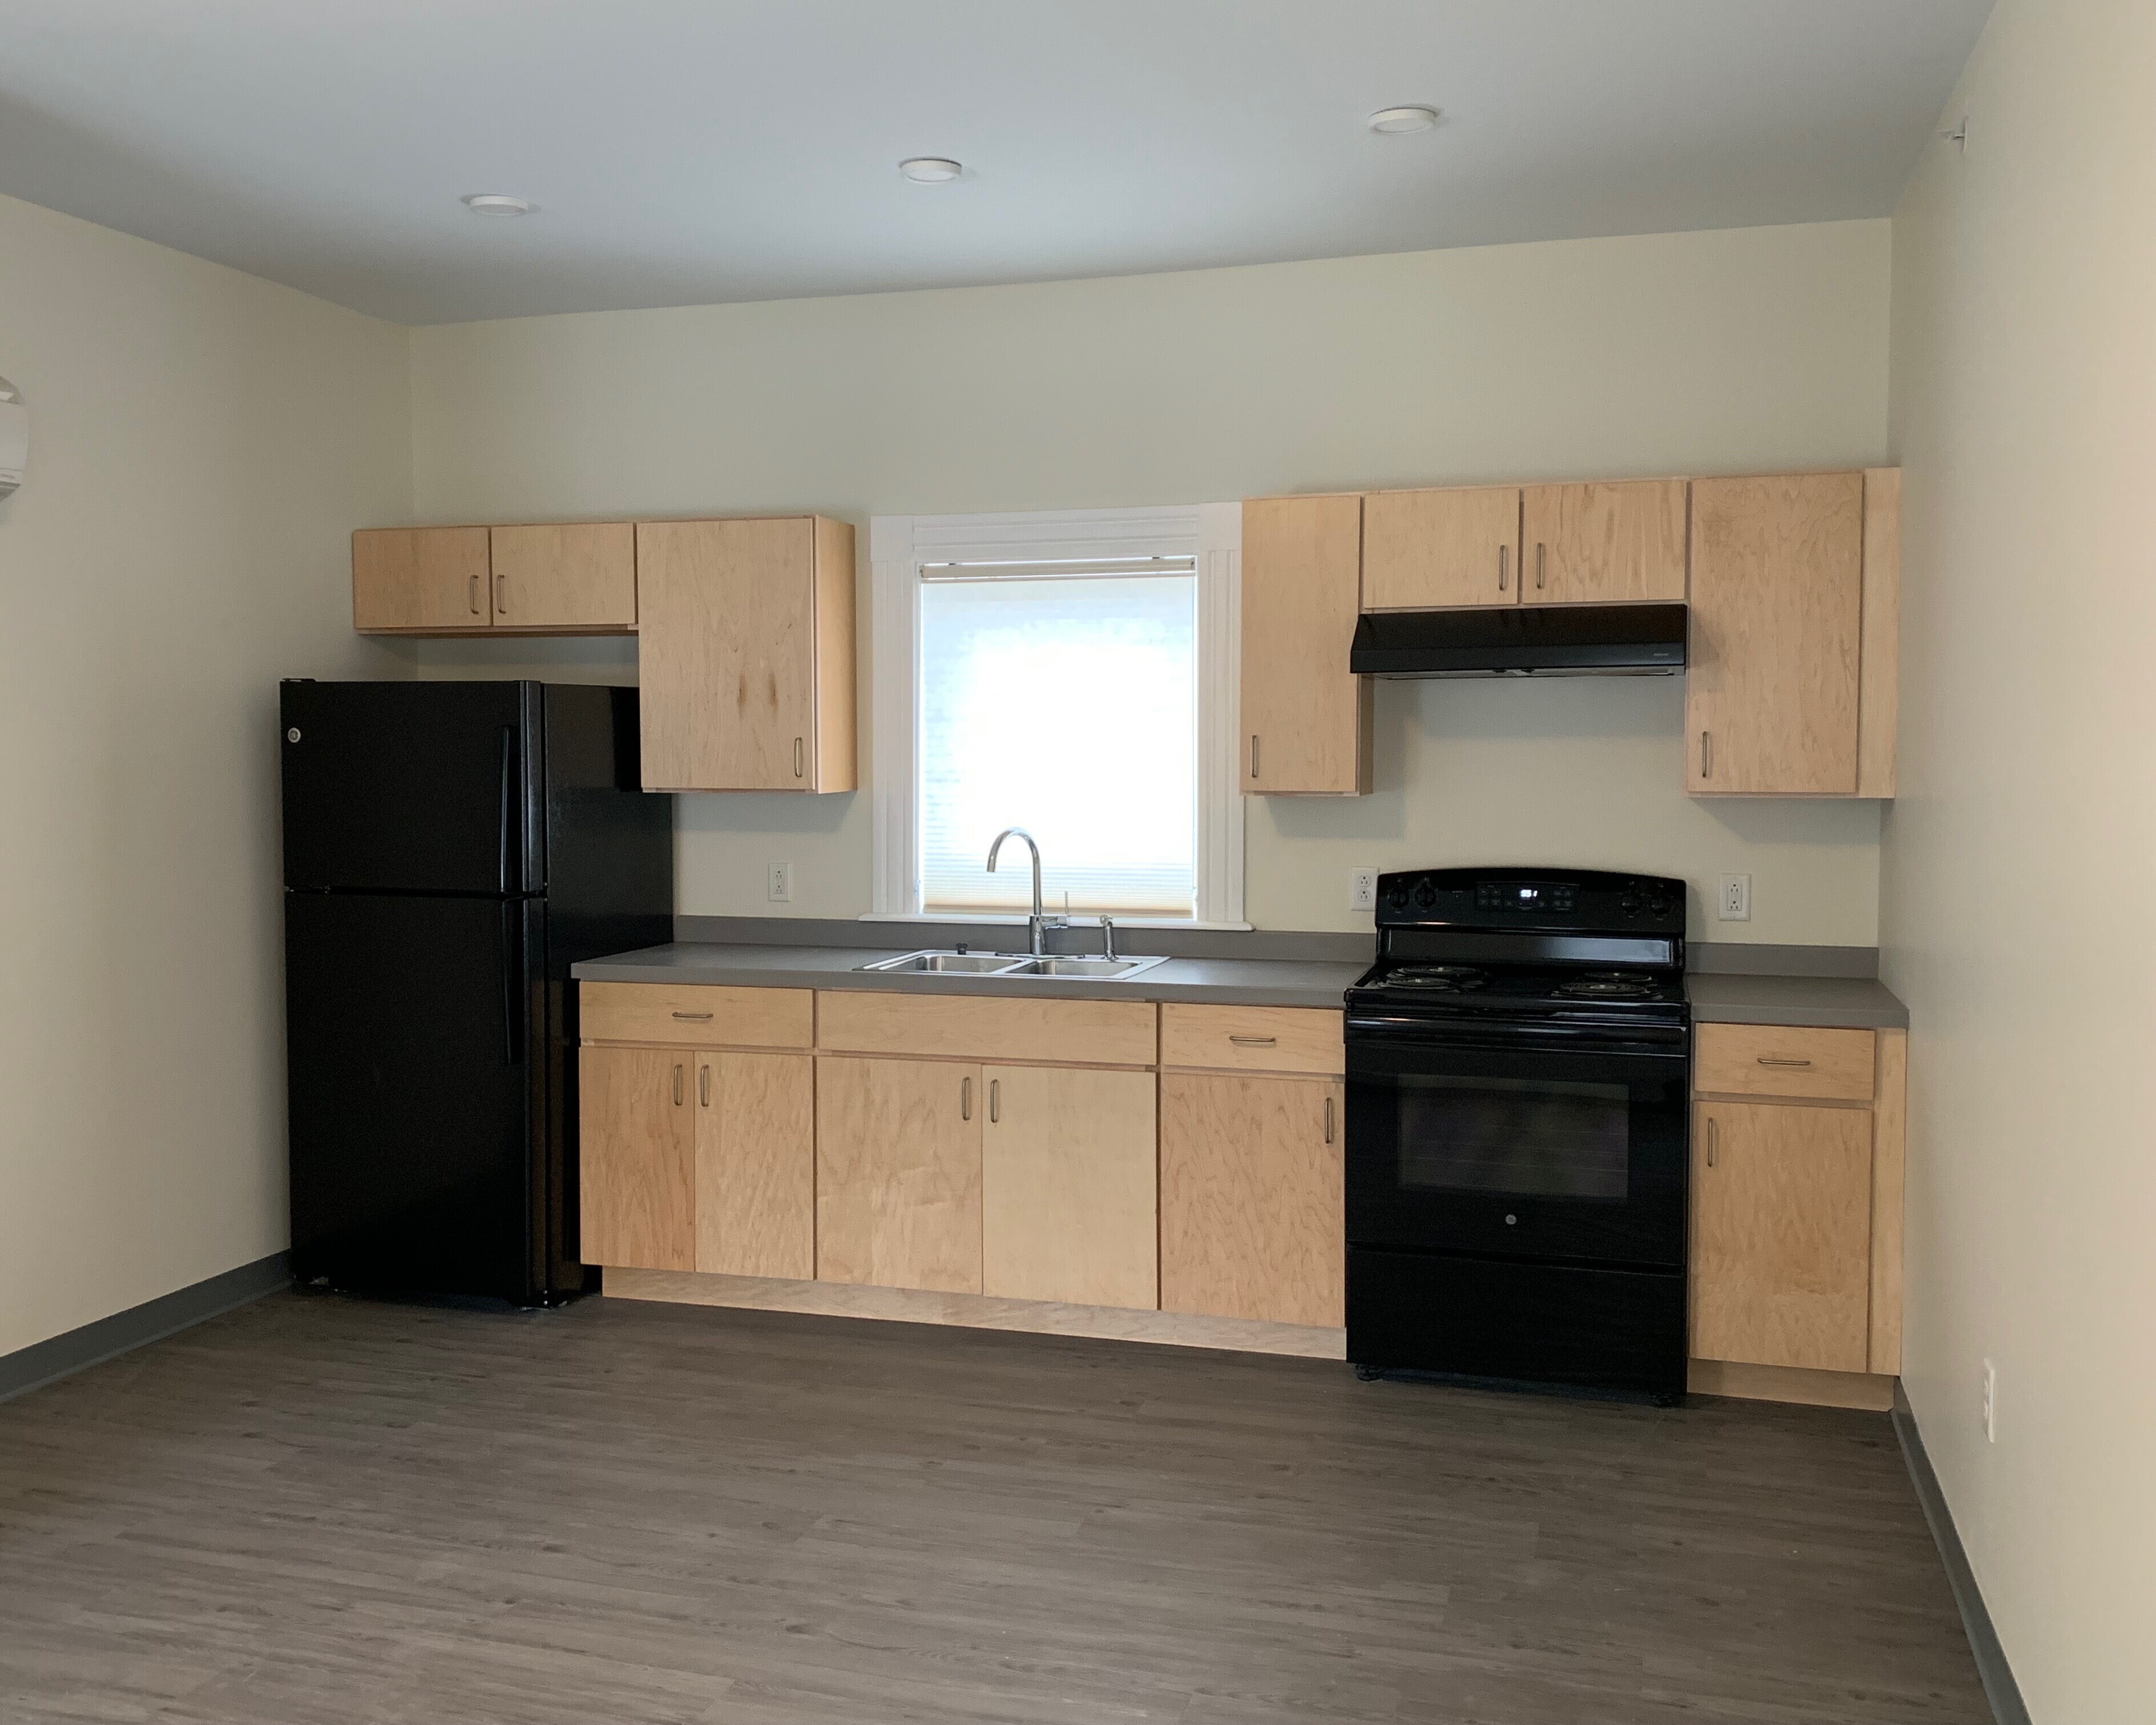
[[1068, 707]]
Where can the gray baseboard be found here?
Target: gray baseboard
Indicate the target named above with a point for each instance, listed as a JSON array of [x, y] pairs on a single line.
[[1999, 1688], [27, 1369]]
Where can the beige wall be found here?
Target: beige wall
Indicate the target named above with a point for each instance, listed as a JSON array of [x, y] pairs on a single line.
[[2020, 858], [1697, 352], [201, 443]]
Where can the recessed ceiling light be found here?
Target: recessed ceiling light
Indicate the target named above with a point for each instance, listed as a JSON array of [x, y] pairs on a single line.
[[1391, 120], [498, 203], [930, 170]]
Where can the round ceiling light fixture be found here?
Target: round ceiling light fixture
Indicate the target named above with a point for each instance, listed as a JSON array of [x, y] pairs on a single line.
[[930, 170], [498, 203], [1388, 120]]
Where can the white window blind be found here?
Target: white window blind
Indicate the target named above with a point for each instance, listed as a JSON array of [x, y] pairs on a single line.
[[1062, 697]]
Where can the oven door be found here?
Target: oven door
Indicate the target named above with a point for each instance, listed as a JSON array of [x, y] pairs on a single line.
[[1569, 1148]]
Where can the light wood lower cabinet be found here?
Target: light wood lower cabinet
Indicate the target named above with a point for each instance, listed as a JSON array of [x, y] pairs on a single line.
[[756, 1164], [1782, 1234], [1252, 1221], [638, 1155], [898, 1173], [1068, 1186]]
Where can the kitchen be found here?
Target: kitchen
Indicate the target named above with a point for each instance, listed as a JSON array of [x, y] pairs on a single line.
[[894, 435]]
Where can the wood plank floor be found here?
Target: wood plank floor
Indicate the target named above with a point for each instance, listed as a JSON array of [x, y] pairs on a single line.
[[315, 1510]]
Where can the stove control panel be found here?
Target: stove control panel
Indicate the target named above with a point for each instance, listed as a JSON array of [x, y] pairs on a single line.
[[1546, 900]]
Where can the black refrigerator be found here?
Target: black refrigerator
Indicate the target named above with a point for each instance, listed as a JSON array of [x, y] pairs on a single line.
[[450, 851]]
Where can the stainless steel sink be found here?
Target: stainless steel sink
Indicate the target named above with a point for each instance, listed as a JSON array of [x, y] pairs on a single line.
[[952, 963], [1013, 964]]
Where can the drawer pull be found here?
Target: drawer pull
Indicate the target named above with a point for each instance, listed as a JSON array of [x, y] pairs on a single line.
[[692, 1017], [1254, 1041], [1775, 1060]]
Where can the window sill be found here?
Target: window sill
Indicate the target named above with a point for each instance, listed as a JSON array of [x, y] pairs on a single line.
[[1078, 920]]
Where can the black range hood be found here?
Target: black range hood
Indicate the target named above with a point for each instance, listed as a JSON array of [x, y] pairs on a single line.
[[1521, 641]]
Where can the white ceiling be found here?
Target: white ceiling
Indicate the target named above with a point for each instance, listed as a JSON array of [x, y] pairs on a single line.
[[684, 152]]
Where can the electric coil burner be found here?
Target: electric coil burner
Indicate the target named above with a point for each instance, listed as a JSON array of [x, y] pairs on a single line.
[[1517, 1066]]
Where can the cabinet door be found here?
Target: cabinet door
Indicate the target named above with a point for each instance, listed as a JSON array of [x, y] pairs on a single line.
[[1068, 1186], [1251, 1222], [1603, 544], [637, 1153], [1781, 1246], [420, 580], [579, 578], [756, 1164], [1425, 550], [726, 654], [898, 1174], [1305, 716], [1777, 609]]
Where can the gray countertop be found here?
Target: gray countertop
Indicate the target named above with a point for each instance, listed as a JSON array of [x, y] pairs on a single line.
[[1855, 1002]]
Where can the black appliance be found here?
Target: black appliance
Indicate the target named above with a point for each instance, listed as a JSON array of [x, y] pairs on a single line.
[[1517, 1113], [450, 851], [1521, 641]]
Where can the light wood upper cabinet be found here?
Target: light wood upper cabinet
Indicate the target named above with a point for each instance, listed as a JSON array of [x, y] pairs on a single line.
[[746, 653], [1068, 1186], [898, 1173], [756, 1164], [1773, 682], [1426, 550], [1782, 1260], [637, 1150], [576, 579], [421, 581], [1251, 1199], [1305, 716], [1603, 544]]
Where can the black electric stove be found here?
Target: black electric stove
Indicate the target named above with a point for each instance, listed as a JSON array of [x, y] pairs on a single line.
[[1517, 1108]]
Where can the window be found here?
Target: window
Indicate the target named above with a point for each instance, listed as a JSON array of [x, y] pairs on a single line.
[[1071, 675]]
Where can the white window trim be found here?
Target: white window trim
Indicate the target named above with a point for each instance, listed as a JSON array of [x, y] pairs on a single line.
[[1210, 533]]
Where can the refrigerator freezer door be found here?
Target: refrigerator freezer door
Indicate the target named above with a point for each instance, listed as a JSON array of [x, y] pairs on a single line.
[[412, 786], [416, 1086]]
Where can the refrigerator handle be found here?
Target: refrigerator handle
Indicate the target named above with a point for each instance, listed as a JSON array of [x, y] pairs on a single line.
[[508, 784], [512, 982]]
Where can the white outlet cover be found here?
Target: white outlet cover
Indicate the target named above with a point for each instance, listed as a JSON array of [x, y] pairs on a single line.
[[1733, 903], [781, 891], [1362, 889]]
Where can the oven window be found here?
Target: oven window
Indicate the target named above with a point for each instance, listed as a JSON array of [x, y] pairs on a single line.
[[1538, 1137]]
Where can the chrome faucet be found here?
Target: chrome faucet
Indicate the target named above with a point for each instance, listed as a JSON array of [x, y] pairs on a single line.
[[1037, 925]]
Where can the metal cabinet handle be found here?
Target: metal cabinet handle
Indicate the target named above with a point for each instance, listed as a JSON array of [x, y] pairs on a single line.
[[1713, 1139], [1254, 1041], [692, 1017], [1504, 567], [1774, 1060], [965, 1099], [1541, 564], [677, 1085], [1707, 754], [1328, 1119], [703, 1085], [995, 1101], [501, 593], [1254, 754], [796, 757], [474, 585]]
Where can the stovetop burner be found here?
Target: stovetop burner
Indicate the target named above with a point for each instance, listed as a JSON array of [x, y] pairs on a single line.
[[1606, 985], [1440, 979]]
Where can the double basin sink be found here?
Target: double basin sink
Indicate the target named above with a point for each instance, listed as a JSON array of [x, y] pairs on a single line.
[[1016, 964]]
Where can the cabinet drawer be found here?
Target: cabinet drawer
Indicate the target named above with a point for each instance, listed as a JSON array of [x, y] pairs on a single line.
[[977, 1027], [1783, 1060], [695, 1017], [1252, 1038]]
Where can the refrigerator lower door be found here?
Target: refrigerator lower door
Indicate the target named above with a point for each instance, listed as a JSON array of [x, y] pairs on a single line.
[[417, 1094]]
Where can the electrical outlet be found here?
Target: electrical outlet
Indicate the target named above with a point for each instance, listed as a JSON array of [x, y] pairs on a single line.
[[1362, 889], [1735, 903], [781, 891], [1990, 1402]]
